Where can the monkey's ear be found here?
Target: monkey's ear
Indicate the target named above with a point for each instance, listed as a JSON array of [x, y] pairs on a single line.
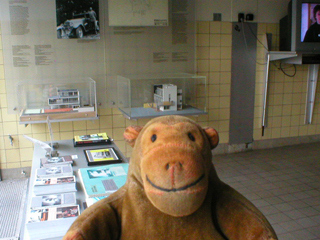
[[131, 133], [213, 136]]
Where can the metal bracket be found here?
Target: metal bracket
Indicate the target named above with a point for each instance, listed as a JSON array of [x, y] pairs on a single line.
[[311, 91], [11, 140]]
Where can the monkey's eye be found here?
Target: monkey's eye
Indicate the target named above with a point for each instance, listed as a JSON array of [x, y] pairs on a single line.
[[153, 137], [191, 137]]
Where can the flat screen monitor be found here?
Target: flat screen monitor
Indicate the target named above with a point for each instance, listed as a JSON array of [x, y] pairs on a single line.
[[310, 22], [300, 29]]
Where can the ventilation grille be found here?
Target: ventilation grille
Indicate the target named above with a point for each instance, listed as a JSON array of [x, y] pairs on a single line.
[[13, 196]]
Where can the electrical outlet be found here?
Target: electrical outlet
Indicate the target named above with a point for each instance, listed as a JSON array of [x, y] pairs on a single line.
[[240, 17], [249, 17]]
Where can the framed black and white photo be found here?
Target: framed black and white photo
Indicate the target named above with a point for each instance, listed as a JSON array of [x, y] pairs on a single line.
[[78, 19]]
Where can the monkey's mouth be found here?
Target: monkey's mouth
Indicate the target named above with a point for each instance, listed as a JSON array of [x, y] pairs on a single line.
[[176, 189]]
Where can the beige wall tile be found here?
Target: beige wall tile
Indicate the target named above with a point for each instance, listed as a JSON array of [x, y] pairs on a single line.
[[93, 125], [13, 165], [215, 40], [225, 65], [225, 77], [294, 131], [262, 28], [203, 65], [226, 40], [214, 78], [286, 121], [287, 98], [79, 125], [225, 89], [3, 158], [26, 163], [2, 86], [203, 52], [224, 125], [203, 27], [8, 117], [23, 129], [40, 136], [104, 111], [80, 132], [276, 122], [224, 114], [25, 143], [226, 52], [215, 27], [276, 132], [118, 134], [66, 126], [3, 101], [26, 154], [39, 128], [287, 110], [226, 27], [106, 122], [66, 135], [214, 90], [1, 72], [224, 102], [10, 128], [203, 40], [223, 137], [215, 53], [13, 155], [2, 145], [285, 132], [214, 66], [116, 111], [214, 102], [118, 121]]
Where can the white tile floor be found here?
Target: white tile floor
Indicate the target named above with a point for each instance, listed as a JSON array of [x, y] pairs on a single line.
[[284, 183]]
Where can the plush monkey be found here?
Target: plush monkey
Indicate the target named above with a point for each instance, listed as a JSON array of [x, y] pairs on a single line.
[[172, 192]]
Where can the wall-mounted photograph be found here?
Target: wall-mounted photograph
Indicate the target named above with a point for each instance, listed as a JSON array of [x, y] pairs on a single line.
[[78, 19]]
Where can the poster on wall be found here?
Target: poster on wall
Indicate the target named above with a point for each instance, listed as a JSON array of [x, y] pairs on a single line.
[[33, 54], [138, 12], [77, 19]]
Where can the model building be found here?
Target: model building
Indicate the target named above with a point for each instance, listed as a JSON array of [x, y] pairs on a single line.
[[66, 98], [167, 97]]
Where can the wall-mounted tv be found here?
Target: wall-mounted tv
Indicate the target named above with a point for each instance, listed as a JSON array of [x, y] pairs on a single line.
[[300, 29]]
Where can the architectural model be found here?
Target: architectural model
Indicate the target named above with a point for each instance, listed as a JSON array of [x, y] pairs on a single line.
[[167, 97], [66, 98]]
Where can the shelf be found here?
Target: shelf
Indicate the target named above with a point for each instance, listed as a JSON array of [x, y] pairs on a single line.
[[136, 113], [57, 117], [278, 55]]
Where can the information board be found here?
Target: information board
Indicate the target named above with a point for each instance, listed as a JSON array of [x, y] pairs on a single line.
[[33, 52], [138, 12]]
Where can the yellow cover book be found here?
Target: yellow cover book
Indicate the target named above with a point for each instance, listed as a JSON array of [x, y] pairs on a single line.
[[91, 139]]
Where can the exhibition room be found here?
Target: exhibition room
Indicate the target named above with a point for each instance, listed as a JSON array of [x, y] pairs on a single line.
[[159, 119]]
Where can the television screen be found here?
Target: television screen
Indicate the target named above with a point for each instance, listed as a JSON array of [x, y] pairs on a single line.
[[310, 22]]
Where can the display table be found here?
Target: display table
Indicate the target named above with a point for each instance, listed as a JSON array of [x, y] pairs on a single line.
[[65, 148]]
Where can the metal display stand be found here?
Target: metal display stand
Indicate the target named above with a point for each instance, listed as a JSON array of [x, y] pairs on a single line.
[[292, 58]]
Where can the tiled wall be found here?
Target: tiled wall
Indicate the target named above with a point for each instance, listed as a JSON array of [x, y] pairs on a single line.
[[286, 98], [214, 40]]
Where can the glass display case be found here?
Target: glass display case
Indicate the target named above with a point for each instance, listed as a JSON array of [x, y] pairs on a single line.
[[148, 96], [57, 101]]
